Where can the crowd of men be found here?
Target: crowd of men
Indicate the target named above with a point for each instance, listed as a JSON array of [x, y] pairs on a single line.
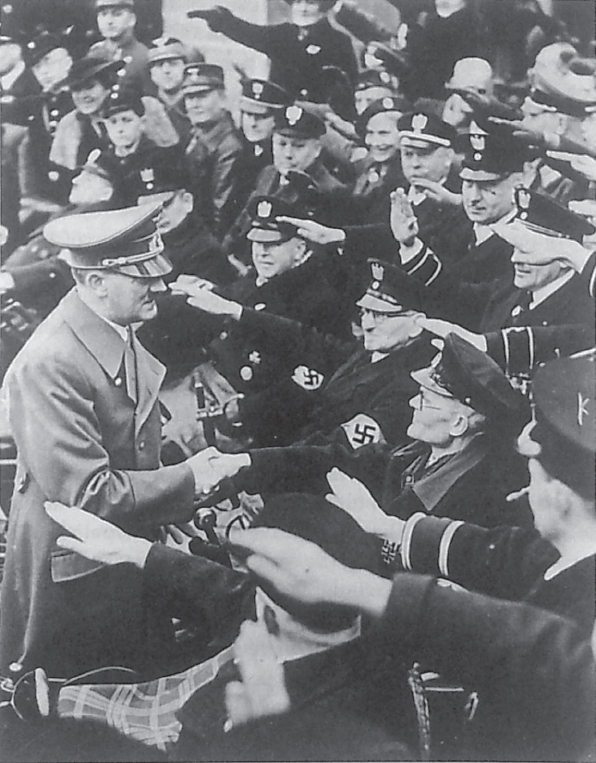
[[299, 389]]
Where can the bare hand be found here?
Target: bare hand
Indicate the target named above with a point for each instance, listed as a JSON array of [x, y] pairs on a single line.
[[443, 328], [200, 294], [353, 497], [438, 192], [542, 250], [582, 163], [404, 224], [262, 691], [95, 538], [313, 231], [6, 282]]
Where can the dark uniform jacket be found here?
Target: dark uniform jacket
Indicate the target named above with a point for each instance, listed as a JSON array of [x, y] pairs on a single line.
[[212, 153], [303, 294], [471, 484], [370, 193], [252, 160], [509, 563], [533, 669], [340, 394], [329, 203], [297, 56], [20, 102], [136, 57], [83, 440], [494, 305]]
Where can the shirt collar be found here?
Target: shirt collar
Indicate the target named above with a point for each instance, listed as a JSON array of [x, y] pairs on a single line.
[[121, 330], [544, 292]]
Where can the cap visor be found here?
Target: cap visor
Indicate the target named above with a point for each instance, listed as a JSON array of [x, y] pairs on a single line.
[[479, 175], [424, 379], [263, 235], [248, 106], [156, 267], [151, 198], [422, 141], [370, 302]]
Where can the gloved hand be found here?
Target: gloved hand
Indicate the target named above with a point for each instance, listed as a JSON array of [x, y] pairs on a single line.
[[215, 17]]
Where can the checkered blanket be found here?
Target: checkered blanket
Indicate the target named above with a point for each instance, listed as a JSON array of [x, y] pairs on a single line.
[[146, 712]]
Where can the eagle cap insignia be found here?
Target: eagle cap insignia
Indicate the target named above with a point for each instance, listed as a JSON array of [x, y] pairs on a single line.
[[293, 114], [523, 199], [419, 122], [387, 103], [378, 271], [147, 175], [478, 142], [257, 88], [384, 77], [264, 209]]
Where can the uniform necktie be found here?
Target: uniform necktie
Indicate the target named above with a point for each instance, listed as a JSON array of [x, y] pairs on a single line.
[[130, 365]]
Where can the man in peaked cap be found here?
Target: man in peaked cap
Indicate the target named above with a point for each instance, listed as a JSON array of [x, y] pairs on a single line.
[[116, 21], [168, 57], [530, 645], [530, 295], [214, 147], [298, 50], [85, 418], [337, 391], [297, 174], [261, 101]]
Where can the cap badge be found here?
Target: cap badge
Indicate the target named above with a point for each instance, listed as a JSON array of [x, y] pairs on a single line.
[[293, 114], [478, 142], [147, 175], [378, 271], [264, 209], [419, 122], [257, 88], [387, 103], [582, 408], [246, 373], [312, 50], [523, 199], [384, 77]]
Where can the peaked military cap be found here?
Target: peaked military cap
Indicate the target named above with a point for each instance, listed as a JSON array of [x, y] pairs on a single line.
[[123, 99], [544, 215], [40, 45], [166, 48], [91, 67], [464, 372], [324, 4], [423, 127], [260, 96], [389, 104], [125, 240], [296, 122], [375, 78], [201, 77], [264, 211], [491, 155], [162, 176], [564, 397], [390, 290]]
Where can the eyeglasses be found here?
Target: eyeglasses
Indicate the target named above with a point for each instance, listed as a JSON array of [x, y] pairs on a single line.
[[379, 317], [423, 403]]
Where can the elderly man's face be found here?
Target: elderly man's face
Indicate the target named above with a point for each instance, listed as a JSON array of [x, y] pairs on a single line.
[[430, 162], [114, 23], [383, 332], [486, 201], [382, 136], [167, 75], [434, 417], [294, 154], [272, 258], [257, 127], [532, 277]]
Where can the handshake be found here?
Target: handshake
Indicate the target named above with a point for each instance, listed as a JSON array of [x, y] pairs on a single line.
[[210, 467]]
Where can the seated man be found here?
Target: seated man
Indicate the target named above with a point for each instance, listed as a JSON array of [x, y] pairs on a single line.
[[320, 650], [296, 175], [338, 391], [461, 463], [533, 672]]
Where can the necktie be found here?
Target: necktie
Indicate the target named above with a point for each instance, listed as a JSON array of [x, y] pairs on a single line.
[[522, 306], [130, 366]]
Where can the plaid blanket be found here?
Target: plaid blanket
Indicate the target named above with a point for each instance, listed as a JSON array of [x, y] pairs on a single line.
[[146, 711]]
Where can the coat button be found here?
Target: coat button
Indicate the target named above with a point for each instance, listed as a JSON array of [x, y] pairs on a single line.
[[118, 381], [141, 446]]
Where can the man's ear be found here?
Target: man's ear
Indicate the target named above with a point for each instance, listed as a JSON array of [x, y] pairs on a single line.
[[302, 252], [95, 280], [459, 426], [188, 201]]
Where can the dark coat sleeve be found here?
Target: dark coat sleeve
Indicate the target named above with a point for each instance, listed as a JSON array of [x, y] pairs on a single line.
[[534, 669]]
